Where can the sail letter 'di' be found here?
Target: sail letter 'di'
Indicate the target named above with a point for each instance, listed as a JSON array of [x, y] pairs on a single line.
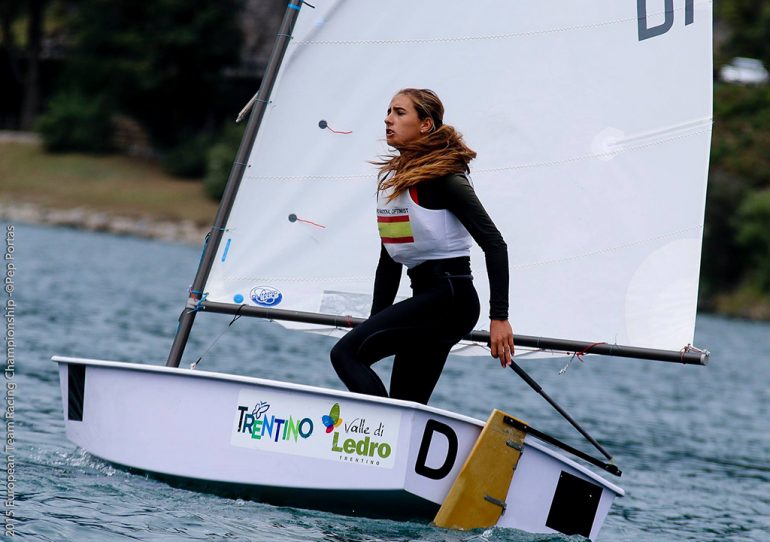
[[592, 123]]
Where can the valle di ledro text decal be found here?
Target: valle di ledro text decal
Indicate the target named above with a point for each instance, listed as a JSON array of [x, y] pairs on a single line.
[[323, 429]]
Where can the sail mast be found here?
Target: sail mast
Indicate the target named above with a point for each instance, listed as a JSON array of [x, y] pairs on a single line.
[[214, 237]]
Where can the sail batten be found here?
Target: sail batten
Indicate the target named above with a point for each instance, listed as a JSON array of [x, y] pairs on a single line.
[[592, 123]]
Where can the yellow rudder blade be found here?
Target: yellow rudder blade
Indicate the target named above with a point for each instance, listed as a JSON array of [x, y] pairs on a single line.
[[476, 498]]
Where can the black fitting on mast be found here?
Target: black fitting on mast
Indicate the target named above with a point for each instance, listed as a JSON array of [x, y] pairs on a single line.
[[187, 317]]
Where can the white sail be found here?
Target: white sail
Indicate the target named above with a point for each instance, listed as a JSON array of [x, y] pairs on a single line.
[[592, 123]]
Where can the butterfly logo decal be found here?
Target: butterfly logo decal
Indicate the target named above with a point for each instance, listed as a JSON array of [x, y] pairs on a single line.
[[333, 419], [260, 408]]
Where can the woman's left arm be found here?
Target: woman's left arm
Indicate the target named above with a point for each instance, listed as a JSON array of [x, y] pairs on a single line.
[[462, 201]]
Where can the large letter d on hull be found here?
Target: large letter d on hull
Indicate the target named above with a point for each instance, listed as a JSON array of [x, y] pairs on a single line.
[[436, 473]]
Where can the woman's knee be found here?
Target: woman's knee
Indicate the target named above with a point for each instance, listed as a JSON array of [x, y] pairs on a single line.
[[341, 356]]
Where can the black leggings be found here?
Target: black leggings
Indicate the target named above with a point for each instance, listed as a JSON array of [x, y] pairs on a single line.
[[419, 331]]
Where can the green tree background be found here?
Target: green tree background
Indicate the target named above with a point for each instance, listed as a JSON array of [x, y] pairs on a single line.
[[159, 63], [160, 68], [735, 270]]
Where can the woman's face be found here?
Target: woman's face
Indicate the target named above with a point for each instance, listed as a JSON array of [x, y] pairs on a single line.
[[402, 124]]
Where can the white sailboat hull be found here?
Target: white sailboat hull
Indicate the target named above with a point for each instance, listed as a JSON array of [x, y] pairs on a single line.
[[269, 440]]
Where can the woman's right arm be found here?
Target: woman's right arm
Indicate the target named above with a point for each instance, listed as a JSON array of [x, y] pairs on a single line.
[[386, 282]]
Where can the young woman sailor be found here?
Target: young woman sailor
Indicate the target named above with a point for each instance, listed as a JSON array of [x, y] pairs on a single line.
[[427, 214]]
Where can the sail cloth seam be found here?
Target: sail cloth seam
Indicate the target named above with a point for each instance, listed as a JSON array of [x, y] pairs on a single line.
[[609, 154], [620, 149], [685, 128], [332, 279], [309, 177], [492, 37], [676, 234]]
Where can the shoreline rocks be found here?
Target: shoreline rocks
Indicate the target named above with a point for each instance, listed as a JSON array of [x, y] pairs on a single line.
[[184, 231]]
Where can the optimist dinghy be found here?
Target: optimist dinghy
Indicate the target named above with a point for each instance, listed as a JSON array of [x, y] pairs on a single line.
[[592, 122]]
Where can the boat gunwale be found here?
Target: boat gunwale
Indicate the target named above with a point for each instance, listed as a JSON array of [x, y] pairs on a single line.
[[266, 381], [305, 388]]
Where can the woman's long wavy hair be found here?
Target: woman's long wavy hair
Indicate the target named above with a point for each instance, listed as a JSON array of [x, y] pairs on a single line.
[[438, 153]]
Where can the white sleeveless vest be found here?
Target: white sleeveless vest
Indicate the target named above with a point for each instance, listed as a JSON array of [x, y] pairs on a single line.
[[412, 234]]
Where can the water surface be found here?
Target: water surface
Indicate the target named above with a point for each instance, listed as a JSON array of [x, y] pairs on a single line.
[[693, 442]]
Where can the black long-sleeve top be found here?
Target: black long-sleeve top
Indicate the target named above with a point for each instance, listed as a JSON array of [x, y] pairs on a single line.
[[454, 193]]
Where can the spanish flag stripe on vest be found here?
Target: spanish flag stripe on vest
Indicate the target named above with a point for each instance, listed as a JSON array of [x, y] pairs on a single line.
[[397, 218], [395, 229]]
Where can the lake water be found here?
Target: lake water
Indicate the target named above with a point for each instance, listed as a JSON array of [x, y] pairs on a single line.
[[693, 442]]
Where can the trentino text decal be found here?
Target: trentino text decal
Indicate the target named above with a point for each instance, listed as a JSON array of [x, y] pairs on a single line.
[[258, 424], [268, 424], [312, 426]]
